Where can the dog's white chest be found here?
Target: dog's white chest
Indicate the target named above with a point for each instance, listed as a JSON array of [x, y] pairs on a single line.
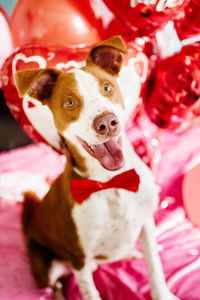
[[110, 221]]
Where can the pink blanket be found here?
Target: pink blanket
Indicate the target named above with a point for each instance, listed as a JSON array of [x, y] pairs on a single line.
[[178, 240]]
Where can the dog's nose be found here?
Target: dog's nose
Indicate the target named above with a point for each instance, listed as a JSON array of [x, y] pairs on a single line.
[[107, 124]]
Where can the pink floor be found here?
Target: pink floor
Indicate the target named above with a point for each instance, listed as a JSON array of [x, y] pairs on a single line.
[[178, 240]]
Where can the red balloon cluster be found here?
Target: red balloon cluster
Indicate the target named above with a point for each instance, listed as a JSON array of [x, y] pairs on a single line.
[[188, 21], [145, 17], [70, 22], [172, 93]]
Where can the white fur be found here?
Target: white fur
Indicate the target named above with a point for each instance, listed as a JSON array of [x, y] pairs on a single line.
[[110, 221], [42, 118], [94, 103]]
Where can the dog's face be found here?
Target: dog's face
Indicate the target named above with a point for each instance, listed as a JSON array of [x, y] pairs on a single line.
[[86, 103]]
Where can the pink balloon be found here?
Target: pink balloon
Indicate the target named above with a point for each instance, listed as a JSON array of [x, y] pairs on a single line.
[[6, 46], [191, 192]]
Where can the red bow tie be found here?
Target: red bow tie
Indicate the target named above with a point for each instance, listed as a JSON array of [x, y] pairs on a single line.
[[81, 189]]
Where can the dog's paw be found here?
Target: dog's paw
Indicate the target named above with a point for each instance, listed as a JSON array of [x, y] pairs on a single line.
[[165, 296], [58, 291], [58, 295], [169, 297], [173, 297], [92, 295]]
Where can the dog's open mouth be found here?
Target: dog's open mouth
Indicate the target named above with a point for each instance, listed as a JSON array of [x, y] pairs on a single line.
[[109, 154]]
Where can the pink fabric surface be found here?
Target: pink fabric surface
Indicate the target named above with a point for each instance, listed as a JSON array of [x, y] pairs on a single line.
[[178, 240]]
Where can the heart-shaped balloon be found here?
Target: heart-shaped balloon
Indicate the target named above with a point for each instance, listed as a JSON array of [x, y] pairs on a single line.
[[145, 17], [36, 119], [187, 24], [6, 46], [172, 92], [50, 22]]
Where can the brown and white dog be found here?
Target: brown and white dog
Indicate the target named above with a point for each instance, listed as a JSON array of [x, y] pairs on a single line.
[[88, 111]]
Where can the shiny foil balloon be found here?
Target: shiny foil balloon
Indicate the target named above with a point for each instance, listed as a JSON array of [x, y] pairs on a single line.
[[60, 22], [172, 92], [36, 119], [188, 21], [145, 17]]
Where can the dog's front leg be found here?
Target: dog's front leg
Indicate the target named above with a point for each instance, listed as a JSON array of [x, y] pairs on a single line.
[[86, 284], [159, 289]]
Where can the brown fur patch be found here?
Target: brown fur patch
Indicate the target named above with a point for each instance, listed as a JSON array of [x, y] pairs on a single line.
[[107, 55], [115, 42], [100, 257], [38, 83], [65, 88], [49, 228], [53, 88], [42, 86], [104, 77], [75, 157]]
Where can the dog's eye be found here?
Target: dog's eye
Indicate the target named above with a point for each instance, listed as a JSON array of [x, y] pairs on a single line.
[[107, 88], [69, 103]]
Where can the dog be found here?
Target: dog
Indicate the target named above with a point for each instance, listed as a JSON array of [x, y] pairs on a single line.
[[62, 231]]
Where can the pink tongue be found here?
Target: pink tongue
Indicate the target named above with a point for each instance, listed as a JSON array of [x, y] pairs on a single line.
[[109, 155]]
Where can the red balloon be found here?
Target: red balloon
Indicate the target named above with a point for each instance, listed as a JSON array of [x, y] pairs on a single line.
[[6, 46], [35, 118], [172, 92], [145, 19], [50, 22], [188, 22]]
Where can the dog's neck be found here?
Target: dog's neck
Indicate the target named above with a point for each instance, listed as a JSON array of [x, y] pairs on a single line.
[[75, 159]]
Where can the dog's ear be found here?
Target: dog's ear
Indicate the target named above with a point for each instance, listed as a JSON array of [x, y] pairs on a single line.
[[108, 54], [36, 83]]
